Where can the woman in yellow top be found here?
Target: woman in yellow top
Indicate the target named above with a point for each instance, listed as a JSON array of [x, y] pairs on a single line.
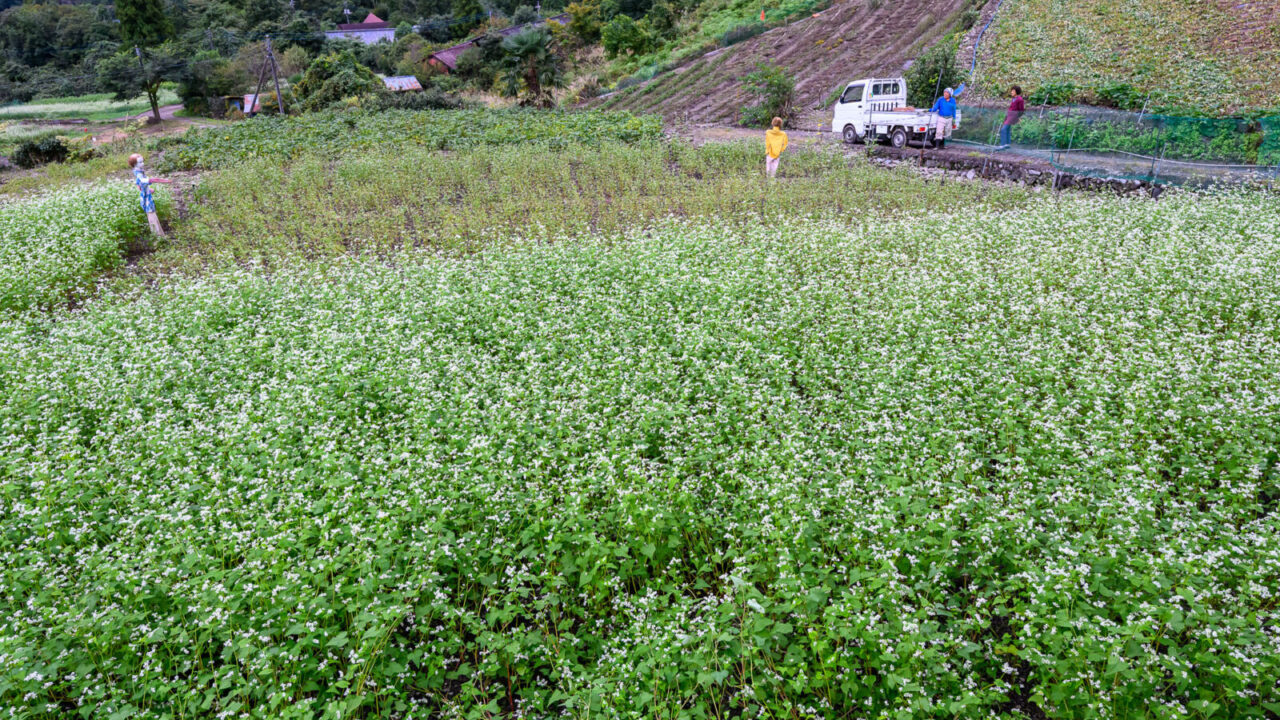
[[775, 141]]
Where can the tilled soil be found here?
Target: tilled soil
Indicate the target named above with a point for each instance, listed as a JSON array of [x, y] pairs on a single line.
[[851, 39]]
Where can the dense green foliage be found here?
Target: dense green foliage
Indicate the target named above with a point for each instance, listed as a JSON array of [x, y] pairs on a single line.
[[387, 199], [143, 23], [624, 35], [334, 77], [774, 90], [933, 71], [51, 246], [935, 468], [285, 138]]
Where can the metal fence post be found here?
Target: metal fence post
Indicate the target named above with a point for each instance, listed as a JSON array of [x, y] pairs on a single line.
[[1155, 164]]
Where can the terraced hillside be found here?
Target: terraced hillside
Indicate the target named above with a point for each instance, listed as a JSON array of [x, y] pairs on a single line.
[[1215, 56], [849, 39]]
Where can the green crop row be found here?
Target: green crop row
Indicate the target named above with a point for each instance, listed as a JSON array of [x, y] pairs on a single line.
[[286, 138]]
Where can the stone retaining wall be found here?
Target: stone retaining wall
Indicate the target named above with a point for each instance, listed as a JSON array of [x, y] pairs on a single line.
[[1008, 168]]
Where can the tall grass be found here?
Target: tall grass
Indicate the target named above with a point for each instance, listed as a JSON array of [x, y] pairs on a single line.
[[98, 106], [380, 201]]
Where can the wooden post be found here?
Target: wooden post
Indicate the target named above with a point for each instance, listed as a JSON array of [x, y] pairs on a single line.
[[271, 57]]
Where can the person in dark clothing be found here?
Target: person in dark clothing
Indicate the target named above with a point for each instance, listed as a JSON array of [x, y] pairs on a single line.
[[1017, 106]]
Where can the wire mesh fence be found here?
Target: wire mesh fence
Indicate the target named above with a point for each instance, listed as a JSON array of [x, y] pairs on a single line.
[[1101, 142]]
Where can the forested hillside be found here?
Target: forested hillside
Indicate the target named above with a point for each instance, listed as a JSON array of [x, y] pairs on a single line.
[[53, 48]]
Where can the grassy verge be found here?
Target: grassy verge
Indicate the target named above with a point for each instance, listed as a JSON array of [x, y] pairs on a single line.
[[381, 201], [98, 107]]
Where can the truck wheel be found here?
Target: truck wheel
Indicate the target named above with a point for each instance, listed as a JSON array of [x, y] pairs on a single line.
[[851, 135], [898, 138]]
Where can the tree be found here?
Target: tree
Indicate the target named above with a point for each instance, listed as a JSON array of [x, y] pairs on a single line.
[[467, 15], [930, 73], [143, 22], [529, 65], [585, 20], [206, 76], [663, 17], [123, 75], [622, 34], [436, 29]]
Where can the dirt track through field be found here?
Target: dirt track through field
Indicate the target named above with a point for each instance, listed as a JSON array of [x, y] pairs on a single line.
[[851, 39]]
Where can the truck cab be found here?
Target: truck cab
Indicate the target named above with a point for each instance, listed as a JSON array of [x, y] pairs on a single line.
[[876, 109]]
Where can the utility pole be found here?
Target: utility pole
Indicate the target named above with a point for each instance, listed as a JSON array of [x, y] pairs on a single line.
[[257, 90], [271, 57]]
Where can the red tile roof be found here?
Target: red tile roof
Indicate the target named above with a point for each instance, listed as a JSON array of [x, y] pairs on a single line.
[[449, 56], [373, 22]]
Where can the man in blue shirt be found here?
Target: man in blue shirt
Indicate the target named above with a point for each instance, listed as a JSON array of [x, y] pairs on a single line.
[[945, 107]]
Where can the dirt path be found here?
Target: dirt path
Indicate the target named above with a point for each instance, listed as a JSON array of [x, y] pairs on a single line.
[[167, 112]]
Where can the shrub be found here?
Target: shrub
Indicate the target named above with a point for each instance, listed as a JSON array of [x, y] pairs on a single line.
[[742, 32], [663, 17], [1053, 93], [931, 72], [333, 77], [294, 60], [39, 151], [775, 90], [524, 15], [1121, 95]]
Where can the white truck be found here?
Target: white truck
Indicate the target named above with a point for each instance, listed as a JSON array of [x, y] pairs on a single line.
[[875, 109]]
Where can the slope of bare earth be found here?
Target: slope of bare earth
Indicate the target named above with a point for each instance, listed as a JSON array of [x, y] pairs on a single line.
[[851, 39]]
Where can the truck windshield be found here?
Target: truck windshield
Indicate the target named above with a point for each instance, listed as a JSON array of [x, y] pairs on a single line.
[[852, 94]]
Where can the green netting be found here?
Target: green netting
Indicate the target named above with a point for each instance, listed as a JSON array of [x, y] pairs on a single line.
[[1269, 151], [1118, 144]]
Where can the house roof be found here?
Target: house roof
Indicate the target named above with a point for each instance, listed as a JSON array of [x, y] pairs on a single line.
[[400, 83], [373, 22], [449, 55]]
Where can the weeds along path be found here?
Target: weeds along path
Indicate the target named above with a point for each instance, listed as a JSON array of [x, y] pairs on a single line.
[[850, 39]]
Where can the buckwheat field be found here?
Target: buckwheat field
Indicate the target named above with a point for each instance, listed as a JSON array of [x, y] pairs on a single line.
[[966, 464], [51, 245]]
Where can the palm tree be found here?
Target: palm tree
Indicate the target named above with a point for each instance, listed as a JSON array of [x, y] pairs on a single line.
[[531, 65]]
